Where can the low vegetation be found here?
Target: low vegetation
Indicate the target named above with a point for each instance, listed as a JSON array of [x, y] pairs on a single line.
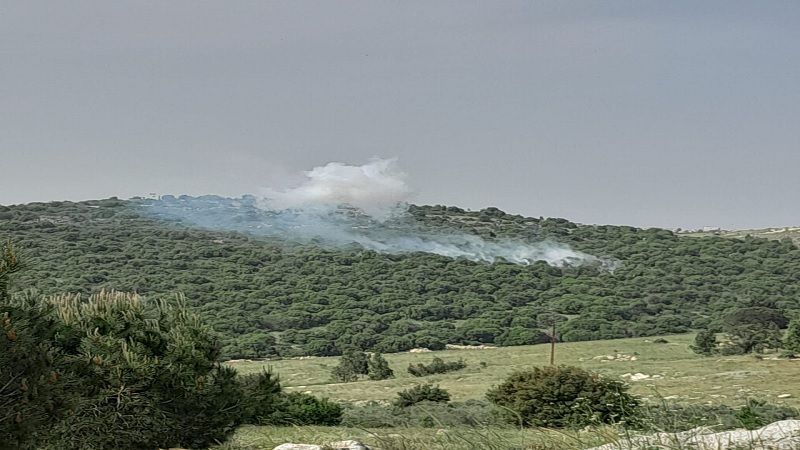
[[421, 393], [559, 397], [437, 365]]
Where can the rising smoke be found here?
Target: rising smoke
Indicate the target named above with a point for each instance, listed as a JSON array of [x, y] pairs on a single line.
[[340, 205]]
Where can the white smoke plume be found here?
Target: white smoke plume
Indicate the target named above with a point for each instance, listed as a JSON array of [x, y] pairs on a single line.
[[375, 188], [343, 205]]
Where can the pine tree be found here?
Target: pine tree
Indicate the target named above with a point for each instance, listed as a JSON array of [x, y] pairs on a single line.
[[352, 365], [379, 368], [33, 388], [792, 340], [705, 343]]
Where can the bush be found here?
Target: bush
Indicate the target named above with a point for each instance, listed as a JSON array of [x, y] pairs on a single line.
[[420, 393], [562, 397], [792, 340], [379, 368], [262, 393], [351, 366], [436, 366], [266, 404], [298, 409], [705, 343]]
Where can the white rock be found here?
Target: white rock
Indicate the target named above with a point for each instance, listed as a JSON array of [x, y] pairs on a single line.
[[639, 377], [348, 445], [784, 395], [298, 447]]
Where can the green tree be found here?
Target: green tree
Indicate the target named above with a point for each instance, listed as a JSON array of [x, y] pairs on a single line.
[[262, 393], [379, 368], [792, 340], [352, 365], [753, 329], [705, 343], [34, 390], [10, 263]]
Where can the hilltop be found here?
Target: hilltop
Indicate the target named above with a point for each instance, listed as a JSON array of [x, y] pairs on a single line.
[[778, 233], [268, 296]]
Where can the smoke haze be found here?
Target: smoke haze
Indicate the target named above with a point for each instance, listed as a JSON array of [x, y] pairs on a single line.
[[340, 205]]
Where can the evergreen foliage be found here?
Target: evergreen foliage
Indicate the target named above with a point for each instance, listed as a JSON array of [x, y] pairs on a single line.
[[792, 340], [421, 393], [272, 297], [267, 404], [379, 368], [148, 376], [562, 397], [33, 388], [705, 343], [436, 366], [352, 365], [753, 329]]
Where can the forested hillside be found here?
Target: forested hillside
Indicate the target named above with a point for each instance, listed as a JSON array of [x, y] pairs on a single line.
[[266, 296]]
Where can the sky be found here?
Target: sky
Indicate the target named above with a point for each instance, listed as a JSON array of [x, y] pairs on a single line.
[[647, 113]]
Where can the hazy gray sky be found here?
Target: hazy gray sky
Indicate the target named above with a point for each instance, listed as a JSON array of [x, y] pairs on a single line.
[[669, 113]]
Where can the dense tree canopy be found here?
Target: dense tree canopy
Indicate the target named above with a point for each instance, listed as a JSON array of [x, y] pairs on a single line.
[[266, 297]]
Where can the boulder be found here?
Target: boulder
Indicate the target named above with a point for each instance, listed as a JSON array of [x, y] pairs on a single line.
[[298, 447]]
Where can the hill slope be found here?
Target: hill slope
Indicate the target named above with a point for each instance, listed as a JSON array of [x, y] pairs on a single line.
[[792, 233], [266, 296]]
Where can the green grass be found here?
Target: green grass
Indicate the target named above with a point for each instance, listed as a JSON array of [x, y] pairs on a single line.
[[683, 375]]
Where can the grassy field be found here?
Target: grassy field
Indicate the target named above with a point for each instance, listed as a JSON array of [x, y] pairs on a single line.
[[674, 371]]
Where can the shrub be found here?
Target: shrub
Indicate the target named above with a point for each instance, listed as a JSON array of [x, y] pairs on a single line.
[[562, 397], [296, 408], [351, 366], [262, 393], [266, 404], [436, 366], [705, 343], [420, 393], [792, 340], [379, 368]]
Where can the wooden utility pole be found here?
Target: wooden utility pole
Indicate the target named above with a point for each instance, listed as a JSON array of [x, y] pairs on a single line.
[[553, 344]]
